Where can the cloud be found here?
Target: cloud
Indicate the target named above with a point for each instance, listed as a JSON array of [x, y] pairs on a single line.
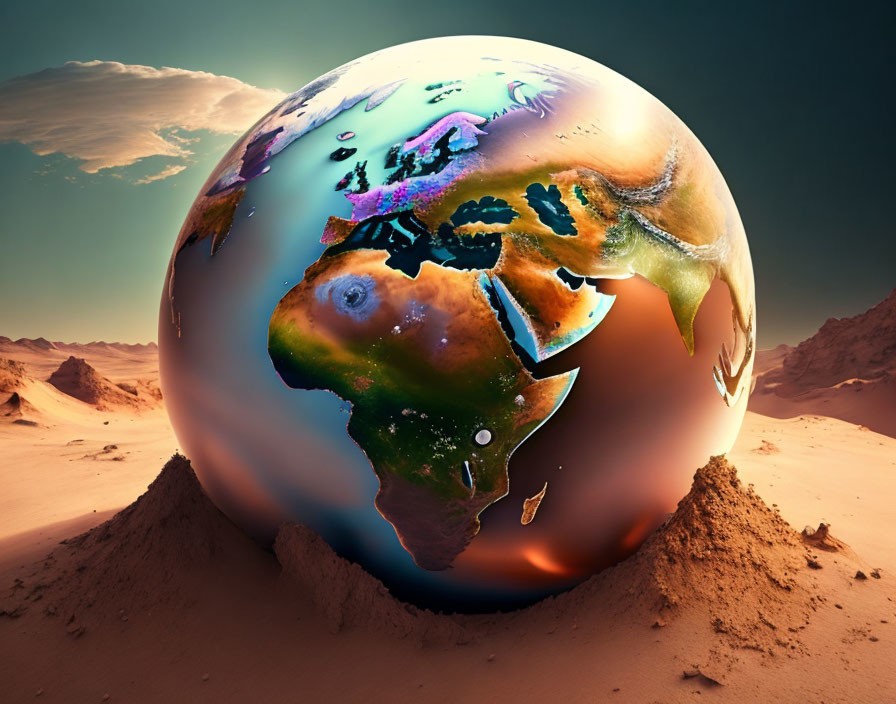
[[169, 170], [109, 114]]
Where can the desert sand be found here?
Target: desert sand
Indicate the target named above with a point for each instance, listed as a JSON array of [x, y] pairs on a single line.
[[166, 601], [80, 457], [115, 360]]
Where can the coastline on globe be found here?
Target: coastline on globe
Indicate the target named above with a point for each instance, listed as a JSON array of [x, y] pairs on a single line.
[[473, 308]]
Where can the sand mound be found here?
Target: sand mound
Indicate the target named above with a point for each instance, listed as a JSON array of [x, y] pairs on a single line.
[[18, 410], [726, 553], [78, 379], [346, 595], [723, 558], [847, 370], [143, 556], [148, 553]]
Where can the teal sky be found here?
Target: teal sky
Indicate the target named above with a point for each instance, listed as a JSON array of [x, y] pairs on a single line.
[[794, 104]]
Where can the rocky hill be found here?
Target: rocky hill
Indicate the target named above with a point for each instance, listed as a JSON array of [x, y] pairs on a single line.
[[847, 370], [79, 380]]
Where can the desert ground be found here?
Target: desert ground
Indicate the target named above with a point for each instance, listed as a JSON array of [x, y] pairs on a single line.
[[166, 601], [81, 456]]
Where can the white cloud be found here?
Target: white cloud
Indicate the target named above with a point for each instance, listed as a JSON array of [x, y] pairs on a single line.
[[109, 114], [169, 170]]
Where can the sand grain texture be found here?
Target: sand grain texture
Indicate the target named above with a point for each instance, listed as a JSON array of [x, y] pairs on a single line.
[[721, 599]]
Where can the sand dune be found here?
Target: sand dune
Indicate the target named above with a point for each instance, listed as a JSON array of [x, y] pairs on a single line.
[[846, 370]]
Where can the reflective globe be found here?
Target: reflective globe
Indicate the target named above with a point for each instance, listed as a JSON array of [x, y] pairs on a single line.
[[472, 308]]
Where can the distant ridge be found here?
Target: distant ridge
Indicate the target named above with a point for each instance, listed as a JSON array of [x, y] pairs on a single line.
[[41, 343], [135, 365]]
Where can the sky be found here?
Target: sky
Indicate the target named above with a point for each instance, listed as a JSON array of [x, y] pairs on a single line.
[[794, 101]]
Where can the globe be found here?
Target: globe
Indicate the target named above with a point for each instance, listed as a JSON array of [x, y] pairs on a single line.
[[473, 308]]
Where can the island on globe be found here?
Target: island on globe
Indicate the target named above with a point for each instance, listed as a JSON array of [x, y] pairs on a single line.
[[474, 309]]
